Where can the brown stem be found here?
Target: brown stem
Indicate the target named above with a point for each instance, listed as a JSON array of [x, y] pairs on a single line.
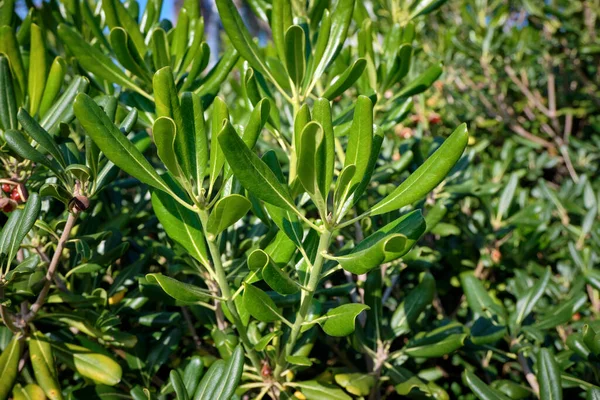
[[41, 299]]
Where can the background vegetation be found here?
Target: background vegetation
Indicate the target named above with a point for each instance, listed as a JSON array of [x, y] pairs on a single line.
[[106, 292]]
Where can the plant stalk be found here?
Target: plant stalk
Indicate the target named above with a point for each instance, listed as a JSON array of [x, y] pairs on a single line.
[[307, 296], [221, 277]]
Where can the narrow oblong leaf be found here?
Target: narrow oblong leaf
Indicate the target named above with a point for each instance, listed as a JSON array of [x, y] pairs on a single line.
[[294, 53], [438, 342], [177, 383], [181, 225], [114, 144], [37, 69], [360, 138], [9, 365], [480, 389], [184, 292], [231, 376], [478, 298], [408, 311], [428, 175], [308, 157], [526, 303], [253, 173], [97, 367], [549, 376], [42, 361], [8, 100], [56, 77], [39, 134], [278, 280], [164, 132], [346, 79]]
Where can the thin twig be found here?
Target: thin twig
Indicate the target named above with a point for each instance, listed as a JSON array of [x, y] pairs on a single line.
[[41, 299]]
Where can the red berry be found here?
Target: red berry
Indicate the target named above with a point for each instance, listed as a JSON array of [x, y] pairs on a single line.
[[6, 188], [15, 195], [7, 205]]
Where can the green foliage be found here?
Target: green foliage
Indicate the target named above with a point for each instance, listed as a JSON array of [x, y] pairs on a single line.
[[375, 199]]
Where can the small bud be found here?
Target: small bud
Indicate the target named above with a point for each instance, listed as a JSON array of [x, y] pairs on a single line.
[[6, 188], [79, 203]]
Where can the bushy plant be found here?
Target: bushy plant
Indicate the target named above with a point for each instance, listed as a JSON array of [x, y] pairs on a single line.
[[274, 224]]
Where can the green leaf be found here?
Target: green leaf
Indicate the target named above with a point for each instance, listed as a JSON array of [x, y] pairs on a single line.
[[322, 115], [161, 56], [13, 233], [308, 160], [62, 110], [299, 360], [340, 22], [177, 383], [346, 79], [387, 244], [278, 280], [10, 47], [526, 303], [480, 389], [487, 331], [97, 367], [54, 82], [164, 132], [562, 312], [21, 146], [167, 105], [114, 144], [438, 342], [210, 381], [220, 114], [359, 384], [422, 82], [259, 304], [181, 225], [37, 69], [253, 173], [231, 376], [339, 321], [409, 310], [93, 60], [29, 392], [195, 127], [184, 292], [593, 394], [240, 37], [226, 212], [9, 365], [424, 7], [266, 339], [281, 19], [294, 53], [315, 390], [39, 134], [506, 198], [192, 373], [548, 376], [428, 175], [480, 302], [8, 101], [127, 54], [360, 138], [117, 16], [42, 361]]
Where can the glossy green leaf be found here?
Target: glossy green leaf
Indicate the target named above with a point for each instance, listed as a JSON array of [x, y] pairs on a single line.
[[97, 367], [10, 47], [253, 173], [177, 383], [37, 69], [266, 339], [181, 291], [181, 225], [339, 321], [281, 19], [428, 175], [195, 127], [388, 243], [210, 381], [225, 213], [259, 304], [358, 384], [561, 313], [548, 376], [62, 109], [438, 342], [231, 376], [114, 144], [53, 84], [164, 132], [29, 392], [294, 53], [127, 54], [308, 157], [13, 233], [340, 22], [278, 280], [8, 100], [192, 373], [39, 134], [322, 115], [422, 82], [360, 138], [409, 310], [346, 79], [299, 360], [9, 365], [480, 302], [487, 331], [42, 361], [161, 56], [93, 60], [315, 390], [526, 303], [480, 389], [220, 114]]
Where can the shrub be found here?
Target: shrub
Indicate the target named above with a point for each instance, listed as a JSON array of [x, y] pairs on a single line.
[[273, 224]]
